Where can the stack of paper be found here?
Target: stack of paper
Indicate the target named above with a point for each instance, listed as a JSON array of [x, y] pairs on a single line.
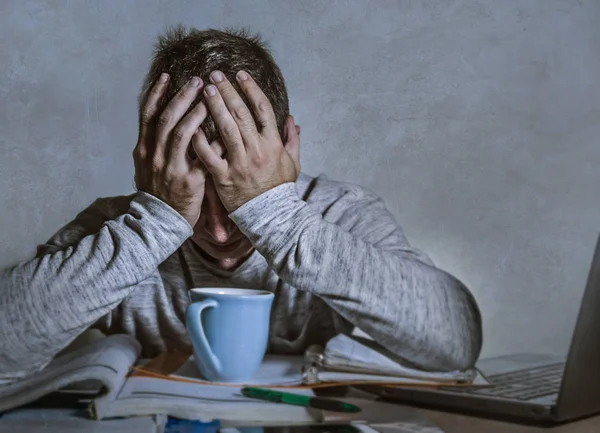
[[183, 394], [357, 357]]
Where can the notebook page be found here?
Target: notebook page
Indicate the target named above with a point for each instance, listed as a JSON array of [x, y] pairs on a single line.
[[146, 395], [274, 370], [146, 387], [106, 360], [356, 353]]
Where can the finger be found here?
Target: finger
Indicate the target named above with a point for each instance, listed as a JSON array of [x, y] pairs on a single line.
[[262, 108], [237, 109], [230, 132], [209, 155], [174, 111], [217, 146], [182, 135], [149, 110]]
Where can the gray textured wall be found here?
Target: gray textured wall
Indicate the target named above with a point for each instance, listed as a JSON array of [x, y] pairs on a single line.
[[477, 121]]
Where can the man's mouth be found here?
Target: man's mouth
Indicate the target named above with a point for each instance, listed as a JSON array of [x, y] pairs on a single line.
[[227, 245]]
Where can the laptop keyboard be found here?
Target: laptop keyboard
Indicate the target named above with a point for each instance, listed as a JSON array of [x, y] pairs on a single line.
[[524, 384]]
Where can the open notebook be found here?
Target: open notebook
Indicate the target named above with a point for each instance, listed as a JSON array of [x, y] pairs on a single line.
[[101, 371], [171, 384]]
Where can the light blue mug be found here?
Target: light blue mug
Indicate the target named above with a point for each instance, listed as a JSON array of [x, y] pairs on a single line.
[[229, 331]]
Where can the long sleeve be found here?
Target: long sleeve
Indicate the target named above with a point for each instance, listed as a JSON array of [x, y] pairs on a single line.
[[46, 302], [363, 267]]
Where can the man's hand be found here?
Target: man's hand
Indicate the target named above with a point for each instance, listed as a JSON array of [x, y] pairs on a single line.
[[256, 160], [163, 166]]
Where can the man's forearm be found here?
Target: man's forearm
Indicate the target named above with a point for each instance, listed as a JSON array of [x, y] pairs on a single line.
[[46, 302], [419, 312]]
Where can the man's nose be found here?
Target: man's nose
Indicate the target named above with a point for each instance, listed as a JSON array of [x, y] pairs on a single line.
[[216, 220], [218, 227]]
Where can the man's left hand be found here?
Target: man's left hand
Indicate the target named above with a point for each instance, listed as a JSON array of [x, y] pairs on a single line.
[[256, 161]]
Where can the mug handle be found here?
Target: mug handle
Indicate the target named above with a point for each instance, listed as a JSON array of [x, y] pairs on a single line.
[[193, 323]]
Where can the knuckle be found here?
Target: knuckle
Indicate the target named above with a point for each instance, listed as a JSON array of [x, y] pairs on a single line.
[[184, 93], [164, 119], [139, 153], [188, 182], [156, 89], [261, 124], [157, 165], [230, 131], [258, 158], [239, 113], [169, 173], [179, 133], [263, 105], [146, 116]]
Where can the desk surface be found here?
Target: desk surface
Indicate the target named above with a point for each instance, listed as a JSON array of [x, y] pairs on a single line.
[[454, 423], [385, 412], [449, 423], [375, 412]]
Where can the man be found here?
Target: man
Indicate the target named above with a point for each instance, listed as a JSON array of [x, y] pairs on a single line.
[[221, 202]]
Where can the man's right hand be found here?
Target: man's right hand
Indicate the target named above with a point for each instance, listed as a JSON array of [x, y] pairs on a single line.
[[163, 166]]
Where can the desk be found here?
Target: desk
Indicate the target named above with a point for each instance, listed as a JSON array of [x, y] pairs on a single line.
[[386, 412], [449, 423], [454, 423], [379, 413]]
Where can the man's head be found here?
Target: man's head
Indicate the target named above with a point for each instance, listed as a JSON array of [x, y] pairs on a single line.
[[184, 53]]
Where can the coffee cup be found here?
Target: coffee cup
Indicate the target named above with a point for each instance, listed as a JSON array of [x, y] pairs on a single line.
[[229, 331]]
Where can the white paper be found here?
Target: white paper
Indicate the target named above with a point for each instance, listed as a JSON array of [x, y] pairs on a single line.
[[143, 395], [274, 370], [136, 387], [205, 400], [361, 354], [106, 361]]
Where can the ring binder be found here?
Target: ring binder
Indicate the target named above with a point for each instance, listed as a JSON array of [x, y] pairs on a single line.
[[353, 359], [312, 364]]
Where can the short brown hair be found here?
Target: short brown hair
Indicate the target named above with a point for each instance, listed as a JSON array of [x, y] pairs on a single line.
[[183, 53]]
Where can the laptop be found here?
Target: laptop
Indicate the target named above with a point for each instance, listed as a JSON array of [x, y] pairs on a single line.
[[529, 388]]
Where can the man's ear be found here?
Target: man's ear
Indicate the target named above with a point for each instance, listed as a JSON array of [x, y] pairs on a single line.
[[292, 141], [286, 131]]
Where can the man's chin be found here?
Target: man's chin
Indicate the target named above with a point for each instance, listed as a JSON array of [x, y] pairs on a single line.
[[227, 252]]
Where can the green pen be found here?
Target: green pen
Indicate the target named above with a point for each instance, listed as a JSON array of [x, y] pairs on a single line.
[[299, 400]]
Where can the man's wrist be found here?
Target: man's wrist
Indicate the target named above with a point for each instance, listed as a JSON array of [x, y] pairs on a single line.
[[268, 219], [160, 210]]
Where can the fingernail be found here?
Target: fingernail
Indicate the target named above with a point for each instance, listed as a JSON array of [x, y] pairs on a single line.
[[195, 82], [216, 76], [210, 90], [242, 75], [163, 78]]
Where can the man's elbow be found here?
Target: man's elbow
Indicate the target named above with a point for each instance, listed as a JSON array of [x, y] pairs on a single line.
[[464, 357], [461, 355], [466, 338]]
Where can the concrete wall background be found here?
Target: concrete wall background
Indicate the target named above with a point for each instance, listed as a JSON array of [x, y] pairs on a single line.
[[477, 121]]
